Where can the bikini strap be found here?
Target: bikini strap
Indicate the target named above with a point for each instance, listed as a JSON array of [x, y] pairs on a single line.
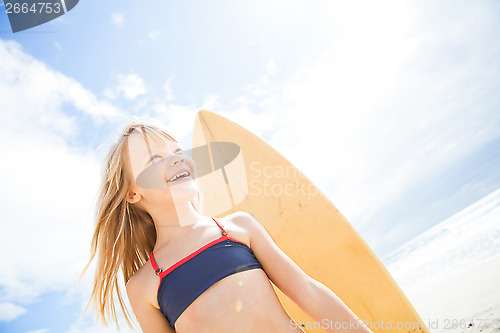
[[224, 233], [152, 258], [155, 266]]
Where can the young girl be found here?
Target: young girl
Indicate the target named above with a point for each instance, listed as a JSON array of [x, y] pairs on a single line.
[[186, 272]]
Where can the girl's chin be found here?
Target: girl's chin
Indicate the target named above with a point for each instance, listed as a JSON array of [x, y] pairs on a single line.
[[183, 190], [188, 185]]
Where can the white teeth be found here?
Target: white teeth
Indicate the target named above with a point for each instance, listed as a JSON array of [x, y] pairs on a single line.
[[184, 173]]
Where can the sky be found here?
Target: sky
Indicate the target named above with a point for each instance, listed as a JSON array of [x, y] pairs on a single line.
[[391, 108]]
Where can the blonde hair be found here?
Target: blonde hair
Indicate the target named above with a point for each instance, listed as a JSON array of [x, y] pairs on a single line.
[[124, 234]]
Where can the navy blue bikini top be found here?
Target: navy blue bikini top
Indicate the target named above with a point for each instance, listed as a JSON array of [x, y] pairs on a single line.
[[188, 278]]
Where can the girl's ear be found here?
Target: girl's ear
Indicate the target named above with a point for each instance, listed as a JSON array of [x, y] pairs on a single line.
[[132, 196]]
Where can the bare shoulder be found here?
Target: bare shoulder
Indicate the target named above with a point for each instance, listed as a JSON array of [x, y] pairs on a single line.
[[149, 317], [240, 219], [141, 291], [244, 222], [280, 269], [143, 284], [138, 283]]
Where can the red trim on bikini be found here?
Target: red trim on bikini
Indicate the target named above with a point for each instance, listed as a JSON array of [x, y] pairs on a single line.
[[190, 256], [221, 228], [193, 254], [224, 236], [153, 262]]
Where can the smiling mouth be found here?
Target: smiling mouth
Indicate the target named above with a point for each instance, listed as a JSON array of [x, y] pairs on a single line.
[[180, 177]]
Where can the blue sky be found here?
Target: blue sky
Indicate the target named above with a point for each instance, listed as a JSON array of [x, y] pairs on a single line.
[[391, 108]]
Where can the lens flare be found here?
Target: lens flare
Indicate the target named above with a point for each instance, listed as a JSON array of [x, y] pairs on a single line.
[[240, 283], [239, 305]]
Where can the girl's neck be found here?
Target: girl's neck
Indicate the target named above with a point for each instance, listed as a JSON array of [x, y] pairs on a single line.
[[170, 221]]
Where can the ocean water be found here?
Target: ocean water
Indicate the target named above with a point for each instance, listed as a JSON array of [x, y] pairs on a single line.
[[456, 244]]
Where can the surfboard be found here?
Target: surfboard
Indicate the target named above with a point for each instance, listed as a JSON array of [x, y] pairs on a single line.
[[251, 176]]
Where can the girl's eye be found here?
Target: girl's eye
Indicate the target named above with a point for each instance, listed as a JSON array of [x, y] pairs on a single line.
[[153, 157]]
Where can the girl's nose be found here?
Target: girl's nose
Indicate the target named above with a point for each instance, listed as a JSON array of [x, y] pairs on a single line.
[[178, 159]]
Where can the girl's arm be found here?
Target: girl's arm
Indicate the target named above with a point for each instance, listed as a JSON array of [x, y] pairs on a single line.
[[315, 299], [150, 318]]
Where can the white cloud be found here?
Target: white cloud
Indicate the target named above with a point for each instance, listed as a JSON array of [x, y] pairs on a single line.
[[210, 103], [49, 187], [117, 19], [271, 67], [167, 87], [131, 86], [33, 94], [89, 326], [155, 34], [43, 330], [178, 119], [128, 86], [259, 109], [10, 311], [87, 323]]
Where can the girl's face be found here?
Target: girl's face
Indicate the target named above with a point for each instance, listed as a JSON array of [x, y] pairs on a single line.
[[155, 164]]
